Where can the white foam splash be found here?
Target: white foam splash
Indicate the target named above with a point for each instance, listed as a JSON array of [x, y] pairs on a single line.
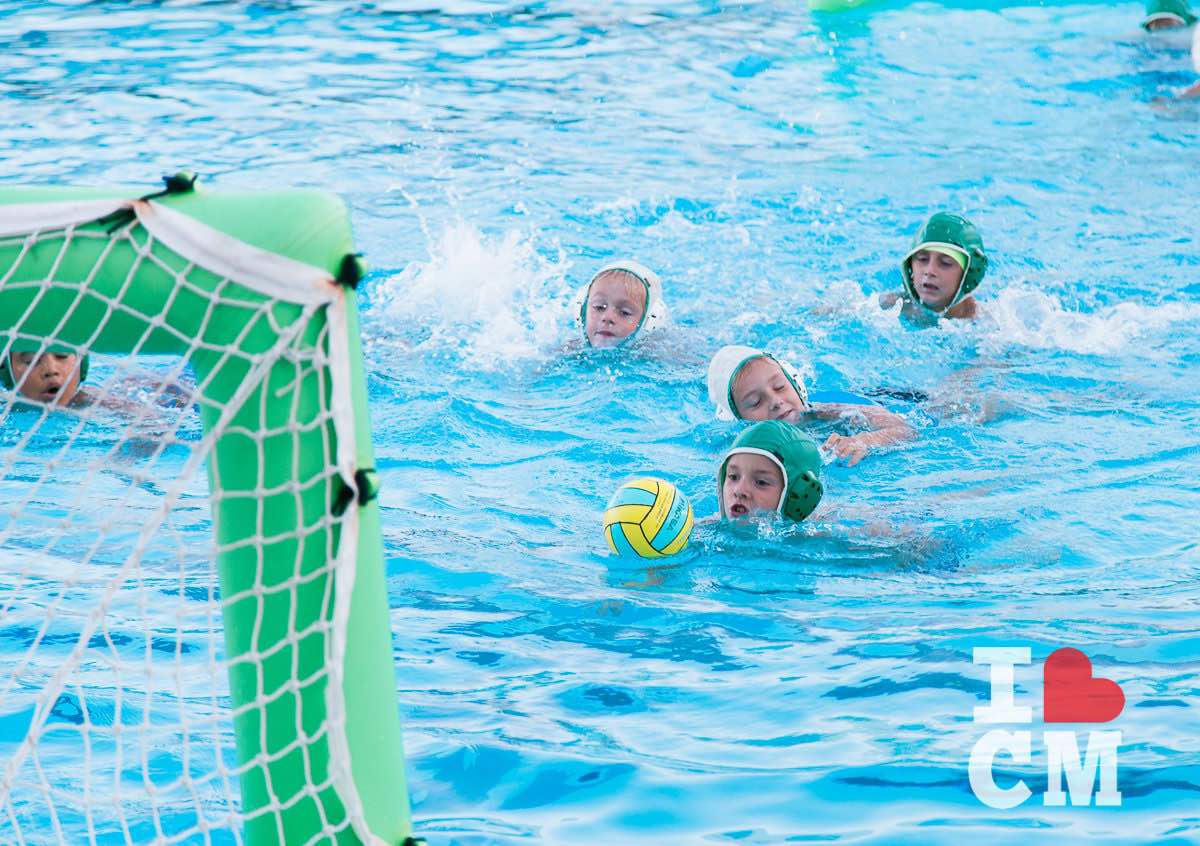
[[1019, 315], [1025, 316], [623, 203], [494, 298]]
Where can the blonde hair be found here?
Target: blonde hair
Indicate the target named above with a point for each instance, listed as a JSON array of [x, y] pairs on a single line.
[[634, 286]]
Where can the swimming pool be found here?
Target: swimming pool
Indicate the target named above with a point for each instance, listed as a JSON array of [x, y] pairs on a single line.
[[771, 167]]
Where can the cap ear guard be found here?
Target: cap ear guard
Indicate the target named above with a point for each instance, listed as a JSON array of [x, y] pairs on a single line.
[[803, 496], [581, 297], [793, 376]]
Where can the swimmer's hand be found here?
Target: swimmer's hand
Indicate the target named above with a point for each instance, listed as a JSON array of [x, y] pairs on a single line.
[[888, 299], [853, 448]]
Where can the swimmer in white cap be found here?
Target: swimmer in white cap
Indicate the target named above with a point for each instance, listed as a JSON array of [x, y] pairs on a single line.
[[745, 383], [624, 300]]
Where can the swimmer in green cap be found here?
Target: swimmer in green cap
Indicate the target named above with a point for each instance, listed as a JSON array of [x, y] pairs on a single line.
[[624, 299], [771, 467], [1167, 14], [745, 383], [51, 377], [943, 268]]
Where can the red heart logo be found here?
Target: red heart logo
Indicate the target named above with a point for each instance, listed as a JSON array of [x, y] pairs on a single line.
[[1071, 695]]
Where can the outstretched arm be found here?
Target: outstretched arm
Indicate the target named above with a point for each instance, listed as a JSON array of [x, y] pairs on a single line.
[[886, 428]]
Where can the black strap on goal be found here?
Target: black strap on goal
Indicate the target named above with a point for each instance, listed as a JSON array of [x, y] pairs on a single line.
[[350, 271], [367, 482], [178, 183]]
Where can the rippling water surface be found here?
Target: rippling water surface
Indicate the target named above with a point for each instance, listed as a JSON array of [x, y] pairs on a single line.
[[785, 685]]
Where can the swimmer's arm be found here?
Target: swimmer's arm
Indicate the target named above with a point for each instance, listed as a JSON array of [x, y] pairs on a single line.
[[968, 309], [877, 417], [882, 522], [886, 428], [888, 299], [1189, 93]]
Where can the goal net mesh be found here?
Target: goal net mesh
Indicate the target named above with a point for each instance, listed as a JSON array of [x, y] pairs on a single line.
[[205, 431]]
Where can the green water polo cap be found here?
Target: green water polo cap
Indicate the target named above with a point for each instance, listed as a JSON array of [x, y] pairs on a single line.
[[958, 238], [724, 369], [1171, 10], [794, 453], [654, 316]]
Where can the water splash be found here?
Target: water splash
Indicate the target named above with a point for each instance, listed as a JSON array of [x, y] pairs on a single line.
[[495, 299], [1024, 316]]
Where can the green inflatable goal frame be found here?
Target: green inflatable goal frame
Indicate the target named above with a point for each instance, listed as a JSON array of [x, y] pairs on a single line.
[[294, 249]]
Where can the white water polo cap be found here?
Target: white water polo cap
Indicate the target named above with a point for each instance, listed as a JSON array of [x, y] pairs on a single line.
[[724, 369], [654, 316]]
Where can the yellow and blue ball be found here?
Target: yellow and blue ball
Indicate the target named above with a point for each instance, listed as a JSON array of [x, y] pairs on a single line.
[[648, 518]]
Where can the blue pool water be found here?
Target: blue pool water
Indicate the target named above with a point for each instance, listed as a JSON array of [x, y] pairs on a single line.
[[786, 685]]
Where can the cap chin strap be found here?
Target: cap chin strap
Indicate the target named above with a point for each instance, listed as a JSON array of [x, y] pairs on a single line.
[[752, 451]]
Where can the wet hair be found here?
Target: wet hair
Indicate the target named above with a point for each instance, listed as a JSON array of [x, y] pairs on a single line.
[[634, 286]]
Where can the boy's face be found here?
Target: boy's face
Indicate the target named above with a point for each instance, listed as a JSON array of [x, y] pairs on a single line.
[[936, 277], [762, 392], [52, 378], [615, 304], [1164, 23], [752, 483]]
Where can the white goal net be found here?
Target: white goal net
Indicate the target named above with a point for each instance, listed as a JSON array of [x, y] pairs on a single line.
[[201, 477]]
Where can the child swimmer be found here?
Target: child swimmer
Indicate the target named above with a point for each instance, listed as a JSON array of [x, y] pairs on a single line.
[[623, 299], [774, 469], [1173, 22], [745, 383], [771, 467], [53, 377], [940, 272]]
